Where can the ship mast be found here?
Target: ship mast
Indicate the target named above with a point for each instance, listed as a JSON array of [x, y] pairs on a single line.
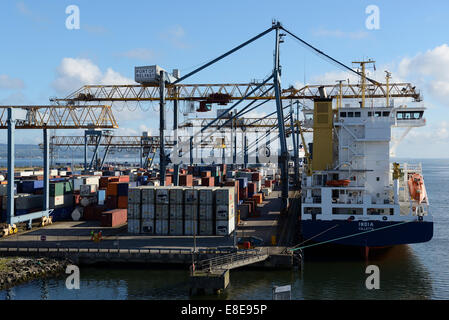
[[363, 65]]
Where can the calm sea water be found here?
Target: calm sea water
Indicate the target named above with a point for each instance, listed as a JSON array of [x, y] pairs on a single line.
[[418, 271]]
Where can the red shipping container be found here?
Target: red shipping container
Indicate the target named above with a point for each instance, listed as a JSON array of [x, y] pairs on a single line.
[[186, 180], [208, 182], [252, 187], [168, 179], [122, 202], [205, 174], [114, 218], [93, 213], [123, 179], [243, 193], [256, 176], [111, 202]]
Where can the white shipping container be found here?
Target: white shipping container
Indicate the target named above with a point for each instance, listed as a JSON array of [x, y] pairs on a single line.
[[225, 212], [176, 195], [147, 74], [134, 195], [162, 212], [148, 195], [92, 180], [206, 212], [206, 195], [77, 183], [161, 227], [148, 211], [38, 173], [190, 212], [162, 196], [53, 172], [190, 227], [206, 228], [133, 226], [147, 226], [224, 228], [176, 211], [176, 227], [191, 196], [225, 195], [62, 173]]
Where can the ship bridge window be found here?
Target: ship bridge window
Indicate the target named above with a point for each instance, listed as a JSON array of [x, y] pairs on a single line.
[[357, 114], [370, 113], [343, 114], [385, 113], [350, 114], [404, 115], [377, 114]]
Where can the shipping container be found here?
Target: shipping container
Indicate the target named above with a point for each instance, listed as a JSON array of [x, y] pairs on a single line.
[[191, 196], [122, 202], [122, 189], [162, 227], [148, 211], [186, 180], [101, 196], [133, 226], [87, 189], [225, 212], [224, 228], [162, 212], [134, 195], [147, 226], [176, 211], [134, 211], [190, 227], [206, 212], [206, 195], [176, 227], [206, 228], [190, 212], [148, 195], [176, 195], [162, 196], [225, 195], [113, 218]]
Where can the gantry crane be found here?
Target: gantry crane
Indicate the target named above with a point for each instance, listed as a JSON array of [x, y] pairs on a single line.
[[46, 117]]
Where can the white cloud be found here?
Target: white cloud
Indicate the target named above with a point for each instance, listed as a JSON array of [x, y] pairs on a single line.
[[340, 34], [430, 70], [76, 72], [6, 82], [26, 11]]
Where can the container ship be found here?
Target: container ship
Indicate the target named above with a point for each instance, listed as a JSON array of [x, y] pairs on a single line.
[[352, 195]]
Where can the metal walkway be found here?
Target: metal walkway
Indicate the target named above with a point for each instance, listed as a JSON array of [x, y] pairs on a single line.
[[231, 261]]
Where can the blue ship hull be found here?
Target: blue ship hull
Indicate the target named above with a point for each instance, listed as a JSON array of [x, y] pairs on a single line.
[[340, 231]]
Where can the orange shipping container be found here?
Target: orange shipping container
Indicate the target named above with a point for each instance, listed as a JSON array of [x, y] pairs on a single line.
[[111, 190], [258, 198], [122, 202]]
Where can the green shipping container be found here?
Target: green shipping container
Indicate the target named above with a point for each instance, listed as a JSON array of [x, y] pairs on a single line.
[[56, 189], [68, 187]]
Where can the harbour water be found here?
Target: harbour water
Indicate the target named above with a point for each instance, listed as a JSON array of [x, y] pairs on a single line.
[[418, 271]]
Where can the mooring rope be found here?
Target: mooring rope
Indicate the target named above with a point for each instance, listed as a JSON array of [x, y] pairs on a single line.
[[349, 236]]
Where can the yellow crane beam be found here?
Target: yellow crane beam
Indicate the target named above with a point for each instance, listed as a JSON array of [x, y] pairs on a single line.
[[199, 92], [60, 117]]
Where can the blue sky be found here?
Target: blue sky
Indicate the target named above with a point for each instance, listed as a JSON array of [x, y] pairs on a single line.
[[41, 58]]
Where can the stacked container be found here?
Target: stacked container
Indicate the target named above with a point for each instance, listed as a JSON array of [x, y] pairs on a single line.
[[148, 211], [225, 211], [206, 211], [162, 207], [176, 211], [191, 201], [134, 214]]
